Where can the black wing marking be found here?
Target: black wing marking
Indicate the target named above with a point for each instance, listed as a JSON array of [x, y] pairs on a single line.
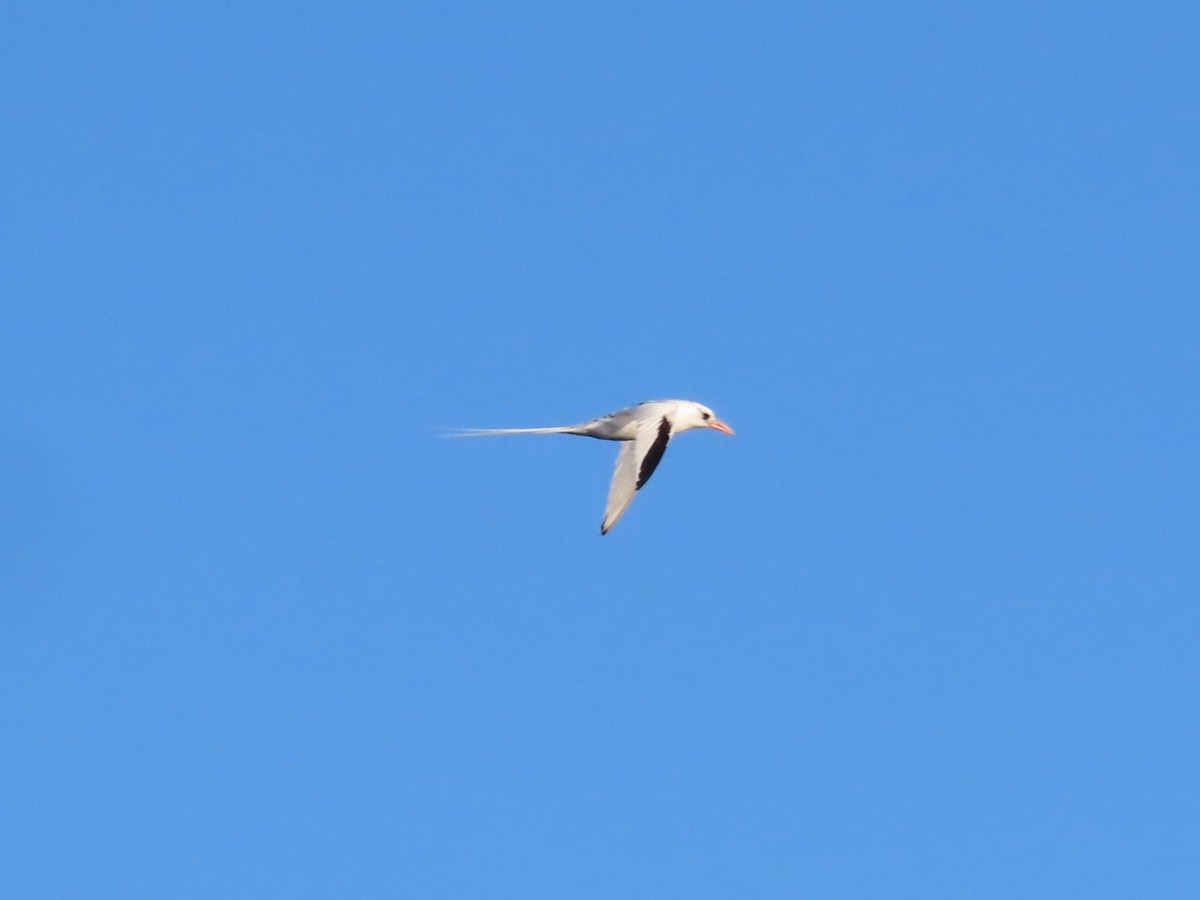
[[655, 454]]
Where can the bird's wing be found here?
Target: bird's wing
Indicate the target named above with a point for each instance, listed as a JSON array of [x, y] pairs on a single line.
[[635, 464]]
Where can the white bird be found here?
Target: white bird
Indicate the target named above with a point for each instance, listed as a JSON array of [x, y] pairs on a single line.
[[645, 428]]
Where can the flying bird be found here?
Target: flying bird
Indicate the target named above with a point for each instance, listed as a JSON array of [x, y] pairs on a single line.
[[645, 430]]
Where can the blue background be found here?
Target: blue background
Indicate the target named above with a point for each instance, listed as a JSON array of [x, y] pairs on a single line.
[[926, 627]]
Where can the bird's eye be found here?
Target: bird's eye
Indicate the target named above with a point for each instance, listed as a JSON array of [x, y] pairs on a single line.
[[706, 416]]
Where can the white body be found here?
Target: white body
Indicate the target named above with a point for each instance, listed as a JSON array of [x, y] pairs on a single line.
[[645, 429]]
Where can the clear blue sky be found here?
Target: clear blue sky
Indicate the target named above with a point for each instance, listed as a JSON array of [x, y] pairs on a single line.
[[926, 627]]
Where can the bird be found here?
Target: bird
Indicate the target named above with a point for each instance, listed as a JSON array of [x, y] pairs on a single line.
[[644, 429]]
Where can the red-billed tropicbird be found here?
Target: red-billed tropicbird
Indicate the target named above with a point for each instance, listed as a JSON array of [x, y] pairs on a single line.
[[645, 429]]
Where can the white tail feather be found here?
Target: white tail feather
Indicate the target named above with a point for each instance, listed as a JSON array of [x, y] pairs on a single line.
[[483, 432]]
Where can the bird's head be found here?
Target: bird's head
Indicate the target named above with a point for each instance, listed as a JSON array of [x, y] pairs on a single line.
[[701, 416]]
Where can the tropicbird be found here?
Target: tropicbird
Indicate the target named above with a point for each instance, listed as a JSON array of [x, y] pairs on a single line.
[[645, 430]]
